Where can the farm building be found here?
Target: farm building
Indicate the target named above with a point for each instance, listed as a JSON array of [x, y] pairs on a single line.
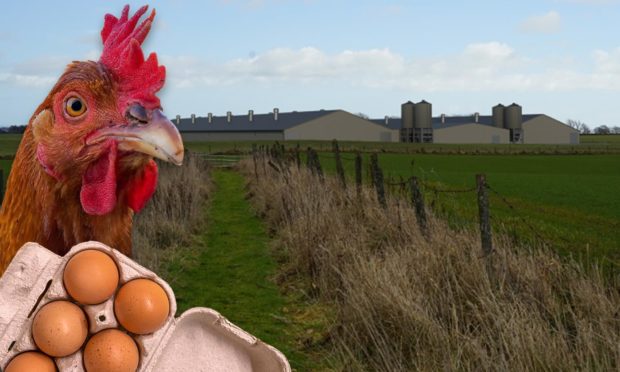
[[506, 125], [308, 125]]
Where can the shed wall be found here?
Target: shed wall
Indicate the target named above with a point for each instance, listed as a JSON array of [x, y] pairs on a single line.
[[546, 130], [471, 133], [342, 126]]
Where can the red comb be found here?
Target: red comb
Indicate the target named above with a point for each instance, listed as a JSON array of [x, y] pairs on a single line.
[[138, 79]]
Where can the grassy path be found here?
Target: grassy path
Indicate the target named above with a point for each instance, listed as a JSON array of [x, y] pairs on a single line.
[[231, 269]]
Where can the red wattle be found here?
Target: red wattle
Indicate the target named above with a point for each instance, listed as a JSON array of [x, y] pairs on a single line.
[[141, 188], [98, 193]]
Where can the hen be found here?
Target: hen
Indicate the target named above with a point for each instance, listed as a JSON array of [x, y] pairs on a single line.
[[85, 163]]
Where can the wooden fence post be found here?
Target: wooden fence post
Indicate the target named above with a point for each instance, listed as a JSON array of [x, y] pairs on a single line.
[[358, 172], [283, 152], [339, 167], [418, 203], [483, 209], [298, 156], [277, 151], [264, 156], [377, 176], [317, 165], [254, 156], [309, 158]]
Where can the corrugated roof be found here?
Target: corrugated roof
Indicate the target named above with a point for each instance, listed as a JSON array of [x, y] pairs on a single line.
[[451, 121], [241, 123], [286, 120]]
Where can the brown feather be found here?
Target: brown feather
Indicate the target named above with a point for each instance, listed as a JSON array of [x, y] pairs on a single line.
[[39, 208]]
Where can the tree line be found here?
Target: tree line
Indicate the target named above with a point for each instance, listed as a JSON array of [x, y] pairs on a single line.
[[583, 128], [13, 129]]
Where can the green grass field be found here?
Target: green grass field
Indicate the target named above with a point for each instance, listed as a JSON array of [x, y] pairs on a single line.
[[571, 200], [9, 143], [610, 139], [598, 145], [5, 166], [568, 200], [589, 143]]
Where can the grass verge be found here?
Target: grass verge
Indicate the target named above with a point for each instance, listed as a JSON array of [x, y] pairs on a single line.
[[5, 166], [173, 215], [230, 270], [405, 301]]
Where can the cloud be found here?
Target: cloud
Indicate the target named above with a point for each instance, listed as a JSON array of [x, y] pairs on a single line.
[[376, 68], [477, 67], [607, 69], [43, 65], [92, 55], [392, 10], [488, 66], [26, 80], [548, 23], [89, 38], [42, 71]]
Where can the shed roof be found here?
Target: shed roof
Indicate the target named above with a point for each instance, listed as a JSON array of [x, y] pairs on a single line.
[[451, 121], [259, 123], [286, 120]]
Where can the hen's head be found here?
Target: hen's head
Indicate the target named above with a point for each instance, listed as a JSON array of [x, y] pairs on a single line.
[[102, 124]]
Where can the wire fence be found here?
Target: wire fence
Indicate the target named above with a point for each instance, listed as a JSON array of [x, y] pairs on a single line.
[[415, 190], [523, 220]]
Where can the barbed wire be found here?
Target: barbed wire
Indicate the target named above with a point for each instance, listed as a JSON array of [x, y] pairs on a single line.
[[401, 183], [330, 156], [347, 158], [516, 212], [429, 187], [447, 191], [523, 220]]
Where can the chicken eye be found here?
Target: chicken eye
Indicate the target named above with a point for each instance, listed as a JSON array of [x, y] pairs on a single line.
[[74, 107]]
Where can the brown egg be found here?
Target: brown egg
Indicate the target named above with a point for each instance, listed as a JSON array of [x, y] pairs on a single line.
[[31, 361], [111, 350], [91, 277], [60, 328], [141, 306]]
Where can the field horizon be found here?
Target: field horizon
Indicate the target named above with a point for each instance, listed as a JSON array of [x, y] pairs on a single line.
[[565, 192]]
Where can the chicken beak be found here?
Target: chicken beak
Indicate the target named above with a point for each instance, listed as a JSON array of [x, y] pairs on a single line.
[[158, 138], [152, 135]]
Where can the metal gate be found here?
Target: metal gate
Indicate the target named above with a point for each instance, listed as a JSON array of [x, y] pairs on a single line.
[[222, 161]]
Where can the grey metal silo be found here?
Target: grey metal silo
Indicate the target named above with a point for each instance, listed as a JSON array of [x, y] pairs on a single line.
[[423, 122], [498, 115], [406, 114], [513, 116], [423, 115]]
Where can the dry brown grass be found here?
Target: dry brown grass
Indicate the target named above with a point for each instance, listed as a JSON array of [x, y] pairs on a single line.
[[407, 303], [173, 214]]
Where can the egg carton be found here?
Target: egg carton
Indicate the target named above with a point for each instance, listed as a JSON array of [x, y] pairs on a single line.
[[201, 339]]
